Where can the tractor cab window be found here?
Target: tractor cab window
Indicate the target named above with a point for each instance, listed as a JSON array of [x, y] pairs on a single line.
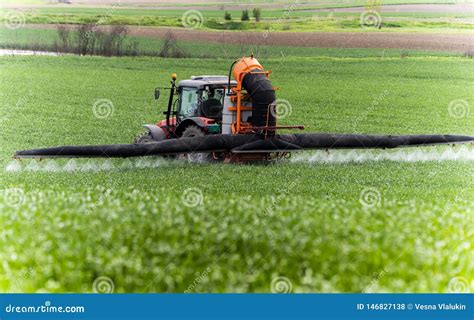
[[188, 103], [212, 101]]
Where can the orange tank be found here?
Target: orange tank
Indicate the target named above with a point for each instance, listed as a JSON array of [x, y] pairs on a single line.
[[245, 65]]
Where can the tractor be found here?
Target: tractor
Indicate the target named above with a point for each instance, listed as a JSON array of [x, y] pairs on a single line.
[[195, 108], [218, 105]]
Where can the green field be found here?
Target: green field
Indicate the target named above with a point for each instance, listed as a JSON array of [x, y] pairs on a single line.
[[304, 4], [303, 221], [318, 22], [301, 18], [43, 40]]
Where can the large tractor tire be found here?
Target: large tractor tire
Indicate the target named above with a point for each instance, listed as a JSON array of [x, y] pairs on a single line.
[[153, 134], [192, 131], [145, 137], [195, 131]]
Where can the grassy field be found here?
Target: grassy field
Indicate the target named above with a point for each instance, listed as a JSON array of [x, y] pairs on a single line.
[[304, 4], [377, 226], [218, 14], [43, 40], [317, 22], [292, 18]]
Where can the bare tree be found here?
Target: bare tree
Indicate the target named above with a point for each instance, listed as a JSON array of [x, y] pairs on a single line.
[[63, 43], [85, 38], [170, 47]]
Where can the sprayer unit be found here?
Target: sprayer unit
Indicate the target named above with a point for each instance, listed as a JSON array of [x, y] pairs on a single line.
[[232, 120]]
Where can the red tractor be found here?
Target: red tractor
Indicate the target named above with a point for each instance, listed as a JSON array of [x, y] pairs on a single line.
[[195, 108]]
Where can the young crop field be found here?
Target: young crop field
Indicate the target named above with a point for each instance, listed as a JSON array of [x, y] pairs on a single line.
[[154, 225], [345, 16], [235, 45], [299, 22]]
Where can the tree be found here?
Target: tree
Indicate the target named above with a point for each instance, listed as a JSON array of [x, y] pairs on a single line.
[[245, 15], [257, 14], [227, 16]]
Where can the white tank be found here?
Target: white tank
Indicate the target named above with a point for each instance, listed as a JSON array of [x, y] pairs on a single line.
[[228, 116]]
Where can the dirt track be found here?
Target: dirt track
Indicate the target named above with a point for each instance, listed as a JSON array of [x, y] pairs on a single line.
[[204, 5], [424, 41], [414, 41], [433, 8]]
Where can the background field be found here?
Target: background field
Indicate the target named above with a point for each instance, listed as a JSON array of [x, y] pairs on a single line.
[[303, 221], [44, 40], [405, 25], [289, 19], [311, 16]]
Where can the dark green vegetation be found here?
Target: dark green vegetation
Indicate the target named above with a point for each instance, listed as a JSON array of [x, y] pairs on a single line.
[[302, 221]]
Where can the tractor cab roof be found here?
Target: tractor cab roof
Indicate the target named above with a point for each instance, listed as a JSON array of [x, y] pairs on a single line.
[[202, 81]]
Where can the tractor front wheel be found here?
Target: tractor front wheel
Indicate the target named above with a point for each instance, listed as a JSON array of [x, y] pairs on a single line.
[[145, 137], [195, 131]]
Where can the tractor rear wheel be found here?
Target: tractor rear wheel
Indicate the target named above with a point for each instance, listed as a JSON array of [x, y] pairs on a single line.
[[192, 131], [195, 131]]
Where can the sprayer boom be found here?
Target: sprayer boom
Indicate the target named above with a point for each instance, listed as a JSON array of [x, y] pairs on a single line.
[[237, 144]]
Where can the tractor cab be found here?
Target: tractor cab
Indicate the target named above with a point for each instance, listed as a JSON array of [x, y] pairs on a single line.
[[201, 96], [195, 107]]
